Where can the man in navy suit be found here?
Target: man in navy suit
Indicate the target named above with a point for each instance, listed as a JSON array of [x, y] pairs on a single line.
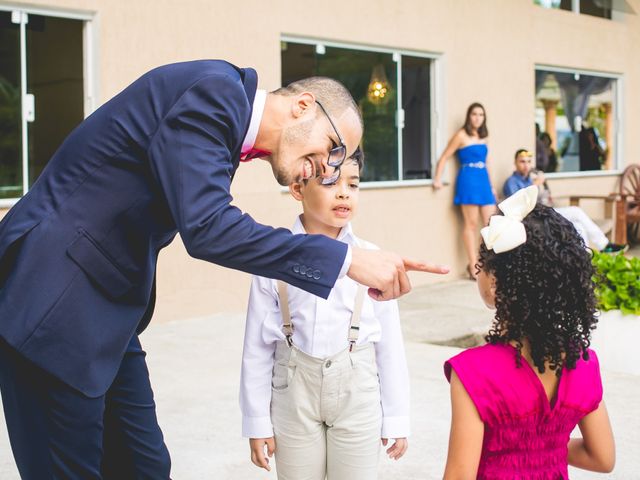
[[78, 253]]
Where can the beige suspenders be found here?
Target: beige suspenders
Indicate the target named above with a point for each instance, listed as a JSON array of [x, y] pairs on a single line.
[[354, 328], [287, 327]]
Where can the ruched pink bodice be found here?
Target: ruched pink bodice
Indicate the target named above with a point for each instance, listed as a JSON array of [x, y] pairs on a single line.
[[525, 435]]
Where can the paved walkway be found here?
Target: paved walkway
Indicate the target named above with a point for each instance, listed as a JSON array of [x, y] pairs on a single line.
[[195, 366]]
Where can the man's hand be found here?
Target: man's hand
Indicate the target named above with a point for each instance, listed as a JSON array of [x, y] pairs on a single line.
[[385, 272], [539, 179], [257, 451]]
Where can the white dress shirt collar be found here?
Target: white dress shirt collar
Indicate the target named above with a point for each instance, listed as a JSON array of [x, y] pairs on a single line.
[[256, 117], [346, 234]]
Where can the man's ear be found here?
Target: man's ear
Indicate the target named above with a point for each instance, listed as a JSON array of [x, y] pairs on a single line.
[[303, 103], [295, 189]]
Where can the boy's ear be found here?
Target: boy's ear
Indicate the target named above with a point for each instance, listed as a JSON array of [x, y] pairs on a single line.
[[295, 189]]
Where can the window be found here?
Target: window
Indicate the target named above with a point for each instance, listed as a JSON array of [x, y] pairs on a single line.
[[41, 93], [392, 90], [596, 8], [576, 115]]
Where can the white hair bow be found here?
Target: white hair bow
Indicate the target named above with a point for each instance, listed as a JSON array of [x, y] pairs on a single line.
[[506, 232]]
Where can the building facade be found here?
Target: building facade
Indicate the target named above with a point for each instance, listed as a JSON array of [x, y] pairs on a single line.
[[413, 67]]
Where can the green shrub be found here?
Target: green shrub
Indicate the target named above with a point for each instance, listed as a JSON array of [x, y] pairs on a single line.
[[617, 282]]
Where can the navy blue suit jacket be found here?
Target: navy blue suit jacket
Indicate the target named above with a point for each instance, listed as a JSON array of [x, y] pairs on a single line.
[[78, 253]]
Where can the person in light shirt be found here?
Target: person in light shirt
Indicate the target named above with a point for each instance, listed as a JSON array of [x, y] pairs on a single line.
[[524, 176], [324, 382]]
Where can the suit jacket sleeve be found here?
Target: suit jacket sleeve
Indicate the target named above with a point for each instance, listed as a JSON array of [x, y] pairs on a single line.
[[190, 156]]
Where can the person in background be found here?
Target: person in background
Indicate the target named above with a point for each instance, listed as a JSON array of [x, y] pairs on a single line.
[[552, 165], [591, 153], [474, 189], [542, 156], [524, 176]]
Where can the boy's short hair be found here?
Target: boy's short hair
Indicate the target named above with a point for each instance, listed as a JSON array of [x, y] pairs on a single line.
[[521, 151], [358, 158]]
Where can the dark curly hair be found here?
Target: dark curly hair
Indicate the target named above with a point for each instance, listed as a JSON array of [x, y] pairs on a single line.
[[544, 292]]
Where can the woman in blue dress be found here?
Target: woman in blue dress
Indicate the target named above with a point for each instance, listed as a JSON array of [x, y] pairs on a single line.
[[474, 191]]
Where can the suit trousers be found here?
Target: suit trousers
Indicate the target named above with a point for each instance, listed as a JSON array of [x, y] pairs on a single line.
[[57, 433], [326, 414]]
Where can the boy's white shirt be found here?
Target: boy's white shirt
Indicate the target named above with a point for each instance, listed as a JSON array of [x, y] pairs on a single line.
[[321, 330]]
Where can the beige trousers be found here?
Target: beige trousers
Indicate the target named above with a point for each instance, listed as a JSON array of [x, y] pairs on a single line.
[[326, 414]]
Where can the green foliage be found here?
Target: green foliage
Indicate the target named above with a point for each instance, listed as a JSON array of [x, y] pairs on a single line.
[[617, 282]]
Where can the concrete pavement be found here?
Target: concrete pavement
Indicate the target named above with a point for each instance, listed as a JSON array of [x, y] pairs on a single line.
[[195, 366]]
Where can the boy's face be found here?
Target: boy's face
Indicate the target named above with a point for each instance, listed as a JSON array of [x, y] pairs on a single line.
[[329, 206]]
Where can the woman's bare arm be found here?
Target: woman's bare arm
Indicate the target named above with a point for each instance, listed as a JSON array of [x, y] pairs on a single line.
[[454, 143]]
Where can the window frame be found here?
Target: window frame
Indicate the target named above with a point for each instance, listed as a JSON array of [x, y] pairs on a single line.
[[89, 72], [618, 146], [436, 101], [576, 4]]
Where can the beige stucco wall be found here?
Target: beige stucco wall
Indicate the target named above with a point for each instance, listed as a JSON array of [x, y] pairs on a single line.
[[488, 52]]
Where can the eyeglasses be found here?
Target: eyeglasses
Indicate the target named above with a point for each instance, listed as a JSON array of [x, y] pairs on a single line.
[[358, 159], [337, 154]]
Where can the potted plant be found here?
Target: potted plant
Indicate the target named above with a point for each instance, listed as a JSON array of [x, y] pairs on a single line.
[[617, 281]]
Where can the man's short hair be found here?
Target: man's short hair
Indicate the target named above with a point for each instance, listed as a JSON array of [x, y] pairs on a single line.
[[521, 151], [332, 94]]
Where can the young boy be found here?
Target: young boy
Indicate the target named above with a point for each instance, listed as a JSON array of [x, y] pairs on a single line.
[[323, 381]]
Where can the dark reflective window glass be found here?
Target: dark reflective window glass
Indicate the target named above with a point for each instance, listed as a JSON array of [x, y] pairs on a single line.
[[10, 109], [575, 119]]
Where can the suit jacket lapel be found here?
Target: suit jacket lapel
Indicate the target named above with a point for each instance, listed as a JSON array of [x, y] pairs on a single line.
[[250, 83]]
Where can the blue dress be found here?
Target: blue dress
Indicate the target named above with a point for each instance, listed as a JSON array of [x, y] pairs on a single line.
[[472, 185]]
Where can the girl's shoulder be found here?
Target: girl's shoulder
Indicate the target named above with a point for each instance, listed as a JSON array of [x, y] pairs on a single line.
[[480, 357], [583, 384], [493, 380]]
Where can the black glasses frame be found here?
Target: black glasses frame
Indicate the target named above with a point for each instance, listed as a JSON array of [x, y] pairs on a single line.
[[339, 151]]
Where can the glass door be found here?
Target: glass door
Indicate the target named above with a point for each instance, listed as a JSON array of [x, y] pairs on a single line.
[[11, 185], [54, 85], [41, 93]]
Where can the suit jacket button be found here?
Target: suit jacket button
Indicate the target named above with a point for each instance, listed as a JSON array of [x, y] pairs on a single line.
[[303, 270], [310, 273], [296, 268], [316, 274]]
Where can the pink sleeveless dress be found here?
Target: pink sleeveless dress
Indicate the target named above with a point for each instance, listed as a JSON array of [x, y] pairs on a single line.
[[525, 436]]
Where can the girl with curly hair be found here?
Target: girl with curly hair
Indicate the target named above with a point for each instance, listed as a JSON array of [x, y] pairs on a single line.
[[516, 400]]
